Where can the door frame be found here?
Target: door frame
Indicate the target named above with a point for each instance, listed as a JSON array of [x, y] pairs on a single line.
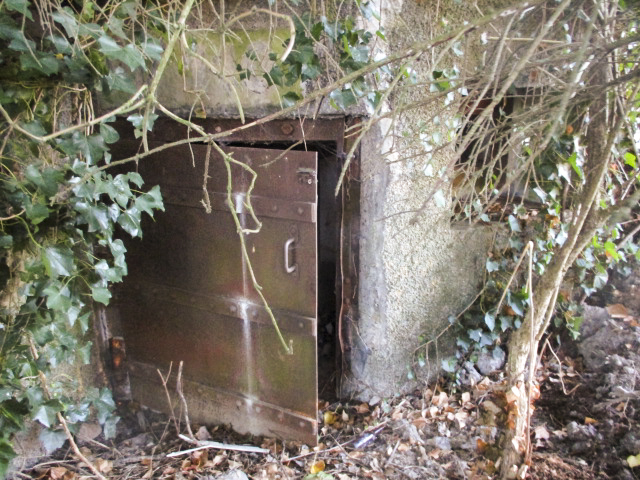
[[334, 131]]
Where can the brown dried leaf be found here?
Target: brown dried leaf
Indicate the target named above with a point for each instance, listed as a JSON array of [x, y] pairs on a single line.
[[57, 473], [590, 421], [397, 414], [481, 445], [200, 457], [617, 310], [419, 422], [461, 417], [435, 453], [489, 406], [362, 408], [103, 466], [441, 399], [168, 471], [403, 447]]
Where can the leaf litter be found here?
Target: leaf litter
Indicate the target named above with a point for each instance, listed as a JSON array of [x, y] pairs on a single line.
[[586, 425]]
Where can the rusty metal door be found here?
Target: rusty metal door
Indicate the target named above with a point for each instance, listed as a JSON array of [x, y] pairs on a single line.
[[190, 297]]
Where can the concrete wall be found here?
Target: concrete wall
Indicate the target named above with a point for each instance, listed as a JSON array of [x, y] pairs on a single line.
[[415, 268]]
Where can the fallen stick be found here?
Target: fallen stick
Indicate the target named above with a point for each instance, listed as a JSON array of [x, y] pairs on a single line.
[[201, 445], [368, 435]]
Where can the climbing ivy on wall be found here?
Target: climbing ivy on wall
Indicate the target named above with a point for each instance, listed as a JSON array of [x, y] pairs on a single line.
[[62, 211]]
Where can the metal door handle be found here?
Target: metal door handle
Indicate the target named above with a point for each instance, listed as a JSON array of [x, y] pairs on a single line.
[[287, 267]]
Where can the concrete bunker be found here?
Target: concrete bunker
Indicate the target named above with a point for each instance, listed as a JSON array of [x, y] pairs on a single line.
[[235, 371]]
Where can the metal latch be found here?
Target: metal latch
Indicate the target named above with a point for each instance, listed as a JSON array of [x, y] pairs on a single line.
[[306, 175]]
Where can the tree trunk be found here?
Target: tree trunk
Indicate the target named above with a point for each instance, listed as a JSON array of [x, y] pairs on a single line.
[[523, 343]]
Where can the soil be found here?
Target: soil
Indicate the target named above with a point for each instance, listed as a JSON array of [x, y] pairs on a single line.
[[585, 425]]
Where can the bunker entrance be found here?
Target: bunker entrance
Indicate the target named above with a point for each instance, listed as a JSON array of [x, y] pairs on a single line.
[[190, 294]]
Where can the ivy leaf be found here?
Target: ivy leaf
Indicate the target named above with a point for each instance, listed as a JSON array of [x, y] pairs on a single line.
[[37, 212], [131, 56], [66, 18], [630, 159], [58, 297], [135, 178], [439, 198], [34, 128], [514, 224], [611, 250], [505, 323], [149, 201], [117, 80], [153, 50], [58, 261], [129, 220], [490, 320], [107, 273], [109, 46], [20, 6], [6, 241], [109, 133], [449, 364], [475, 334], [96, 216], [576, 168], [52, 439], [109, 427], [290, 98], [104, 405], [78, 413], [101, 294], [492, 266], [46, 64], [342, 99], [46, 413]]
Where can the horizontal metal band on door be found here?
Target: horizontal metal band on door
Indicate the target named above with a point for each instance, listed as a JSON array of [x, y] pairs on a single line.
[[214, 405], [262, 206], [225, 306]]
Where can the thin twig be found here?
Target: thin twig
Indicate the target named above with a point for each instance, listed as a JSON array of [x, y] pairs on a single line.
[[183, 400], [164, 381], [376, 429]]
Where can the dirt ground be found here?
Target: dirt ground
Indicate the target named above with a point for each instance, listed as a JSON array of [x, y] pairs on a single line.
[[585, 425]]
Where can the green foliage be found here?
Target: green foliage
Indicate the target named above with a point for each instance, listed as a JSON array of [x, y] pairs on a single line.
[[351, 51], [62, 211], [559, 178]]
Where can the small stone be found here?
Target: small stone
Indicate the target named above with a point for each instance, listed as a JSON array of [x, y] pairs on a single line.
[[490, 362], [469, 375], [443, 443], [203, 434], [233, 475], [89, 431]]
